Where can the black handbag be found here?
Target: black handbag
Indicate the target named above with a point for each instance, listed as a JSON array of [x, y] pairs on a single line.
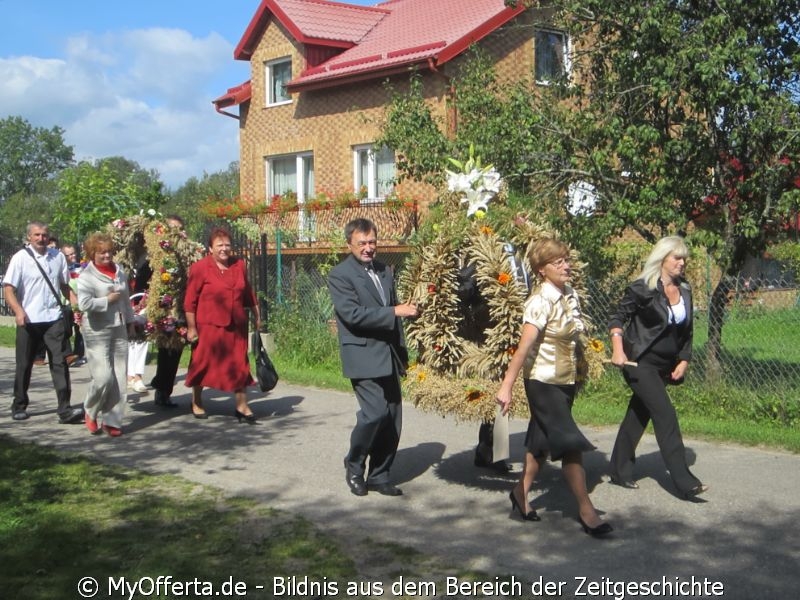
[[265, 371]]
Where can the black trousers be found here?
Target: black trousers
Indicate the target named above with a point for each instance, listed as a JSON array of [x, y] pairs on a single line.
[[166, 369], [378, 425], [29, 339], [650, 401]]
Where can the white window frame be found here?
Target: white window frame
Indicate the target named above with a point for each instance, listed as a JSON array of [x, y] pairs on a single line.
[[566, 50], [374, 195], [270, 68], [306, 224]]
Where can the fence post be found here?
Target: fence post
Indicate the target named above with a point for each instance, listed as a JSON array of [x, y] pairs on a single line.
[[279, 268], [262, 275]]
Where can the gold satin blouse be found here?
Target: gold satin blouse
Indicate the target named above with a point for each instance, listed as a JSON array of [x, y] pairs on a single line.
[[558, 318]]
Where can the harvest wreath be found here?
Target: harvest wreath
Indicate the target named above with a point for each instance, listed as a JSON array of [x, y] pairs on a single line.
[[461, 273], [170, 252]]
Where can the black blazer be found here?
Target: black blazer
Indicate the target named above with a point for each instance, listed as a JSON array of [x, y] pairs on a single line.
[[643, 314], [371, 341]]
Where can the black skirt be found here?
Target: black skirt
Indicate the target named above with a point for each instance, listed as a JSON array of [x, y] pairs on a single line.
[[552, 430]]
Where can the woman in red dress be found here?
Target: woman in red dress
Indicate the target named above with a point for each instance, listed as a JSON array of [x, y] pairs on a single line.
[[217, 296]]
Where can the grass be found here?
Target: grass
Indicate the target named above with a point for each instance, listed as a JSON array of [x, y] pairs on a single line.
[[80, 518], [64, 518]]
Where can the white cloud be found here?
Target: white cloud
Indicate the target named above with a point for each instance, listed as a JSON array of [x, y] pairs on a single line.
[[142, 94]]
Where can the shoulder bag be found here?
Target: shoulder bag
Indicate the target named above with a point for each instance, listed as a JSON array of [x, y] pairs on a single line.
[[265, 371], [66, 311]]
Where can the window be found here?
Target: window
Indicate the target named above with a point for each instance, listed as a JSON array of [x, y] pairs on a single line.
[[373, 171], [551, 55], [278, 74], [293, 173]]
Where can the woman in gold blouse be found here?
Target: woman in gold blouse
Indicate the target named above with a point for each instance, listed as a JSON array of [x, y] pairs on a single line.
[[546, 354]]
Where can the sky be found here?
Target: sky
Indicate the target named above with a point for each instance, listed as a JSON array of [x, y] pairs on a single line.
[[132, 79]]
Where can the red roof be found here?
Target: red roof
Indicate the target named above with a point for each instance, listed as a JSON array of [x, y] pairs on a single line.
[[378, 40], [311, 22]]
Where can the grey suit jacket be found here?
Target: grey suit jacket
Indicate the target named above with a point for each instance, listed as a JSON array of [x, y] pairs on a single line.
[[371, 341]]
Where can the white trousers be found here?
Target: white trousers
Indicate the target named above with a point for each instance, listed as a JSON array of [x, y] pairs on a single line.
[[107, 359], [137, 356]]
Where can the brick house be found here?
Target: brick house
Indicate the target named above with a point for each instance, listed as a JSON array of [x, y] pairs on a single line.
[[313, 107]]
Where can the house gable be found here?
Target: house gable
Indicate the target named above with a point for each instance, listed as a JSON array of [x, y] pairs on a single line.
[[337, 90]]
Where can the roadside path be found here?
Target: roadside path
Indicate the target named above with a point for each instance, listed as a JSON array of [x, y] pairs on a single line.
[[743, 533]]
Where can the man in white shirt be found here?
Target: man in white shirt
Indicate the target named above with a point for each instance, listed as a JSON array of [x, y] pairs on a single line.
[[37, 312]]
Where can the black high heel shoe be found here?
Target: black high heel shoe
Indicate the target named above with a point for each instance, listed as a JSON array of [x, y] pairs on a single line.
[[599, 531], [250, 419], [531, 516]]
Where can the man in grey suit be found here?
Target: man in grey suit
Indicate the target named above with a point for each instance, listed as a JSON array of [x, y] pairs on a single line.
[[374, 357]]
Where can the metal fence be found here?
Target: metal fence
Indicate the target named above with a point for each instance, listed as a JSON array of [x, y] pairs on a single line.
[[7, 250], [760, 349]]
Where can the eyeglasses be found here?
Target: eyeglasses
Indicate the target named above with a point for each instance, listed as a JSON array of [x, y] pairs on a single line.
[[560, 262]]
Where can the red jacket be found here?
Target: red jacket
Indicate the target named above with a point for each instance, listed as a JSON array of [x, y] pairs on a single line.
[[218, 297]]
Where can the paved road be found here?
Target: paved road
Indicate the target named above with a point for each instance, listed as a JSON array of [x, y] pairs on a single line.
[[743, 534]]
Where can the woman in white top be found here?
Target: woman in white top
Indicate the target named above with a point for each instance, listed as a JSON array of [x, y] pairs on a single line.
[[552, 324], [107, 322]]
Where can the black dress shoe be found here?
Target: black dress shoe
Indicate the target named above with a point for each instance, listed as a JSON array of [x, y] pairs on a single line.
[[356, 483], [20, 415], [162, 399], [75, 415], [500, 466], [625, 483], [387, 489], [695, 491]]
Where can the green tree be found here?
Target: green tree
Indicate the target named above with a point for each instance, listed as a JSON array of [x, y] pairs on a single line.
[[94, 194], [187, 199], [29, 155], [679, 115], [21, 208]]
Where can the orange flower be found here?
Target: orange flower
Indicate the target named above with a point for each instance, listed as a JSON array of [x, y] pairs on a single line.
[[473, 395], [511, 350], [503, 278], [486, 230]]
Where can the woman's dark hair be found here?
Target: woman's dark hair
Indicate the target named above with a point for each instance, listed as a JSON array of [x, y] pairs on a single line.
[[216, 233]]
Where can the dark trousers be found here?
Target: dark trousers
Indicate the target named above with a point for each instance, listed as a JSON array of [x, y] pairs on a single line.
[[650, 401], [378, 425], [78, 347], [29, 339], [166, 369]]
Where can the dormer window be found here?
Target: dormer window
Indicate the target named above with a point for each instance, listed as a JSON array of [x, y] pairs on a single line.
[[278, 74], [551, 55]]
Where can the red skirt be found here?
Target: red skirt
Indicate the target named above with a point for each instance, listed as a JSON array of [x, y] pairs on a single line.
[[219, 360]]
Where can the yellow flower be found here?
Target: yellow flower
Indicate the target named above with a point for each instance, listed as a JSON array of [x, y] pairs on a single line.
[[480, 213], [421, 376], [596, 345], [165, 277]]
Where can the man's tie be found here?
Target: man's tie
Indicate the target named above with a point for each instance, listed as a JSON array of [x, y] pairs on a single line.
[[374, 276]]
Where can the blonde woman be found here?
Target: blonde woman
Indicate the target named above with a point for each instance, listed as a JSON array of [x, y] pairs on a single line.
[[652, 327]]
